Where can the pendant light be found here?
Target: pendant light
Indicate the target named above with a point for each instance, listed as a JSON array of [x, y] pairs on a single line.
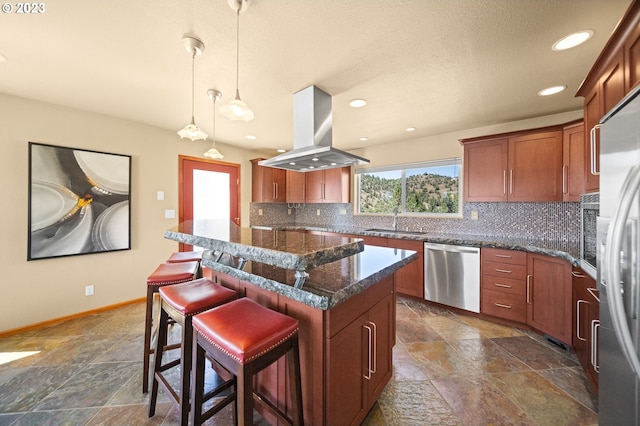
[[191, 131], [213, 153], [236, 109]]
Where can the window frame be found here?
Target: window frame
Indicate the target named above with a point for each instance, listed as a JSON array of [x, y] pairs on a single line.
[[403, 168]]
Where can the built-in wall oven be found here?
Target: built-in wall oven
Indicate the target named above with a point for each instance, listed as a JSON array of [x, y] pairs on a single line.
[[589, 212]]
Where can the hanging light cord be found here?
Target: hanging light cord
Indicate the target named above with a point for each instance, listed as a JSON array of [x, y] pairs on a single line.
[[193, 60], [214, 121], [238, 48]]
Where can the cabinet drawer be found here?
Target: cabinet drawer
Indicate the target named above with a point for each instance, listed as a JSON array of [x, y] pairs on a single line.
[[406, 244], [504, 256], [504, 285], [504, 305], [505, 270]]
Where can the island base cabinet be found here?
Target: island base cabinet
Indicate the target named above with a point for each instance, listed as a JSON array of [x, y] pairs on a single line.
[[345, 352], [359, 364]]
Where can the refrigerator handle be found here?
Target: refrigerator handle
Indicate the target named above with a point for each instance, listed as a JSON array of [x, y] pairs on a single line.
[[612, 258]]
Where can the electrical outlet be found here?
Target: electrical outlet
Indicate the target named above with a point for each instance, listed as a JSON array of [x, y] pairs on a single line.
[[88, 290], [259, 212], [318, 212], [289, 211], [474, 215], [343, 211]]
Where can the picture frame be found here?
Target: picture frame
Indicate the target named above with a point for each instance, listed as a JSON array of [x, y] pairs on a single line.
[[79, 201]]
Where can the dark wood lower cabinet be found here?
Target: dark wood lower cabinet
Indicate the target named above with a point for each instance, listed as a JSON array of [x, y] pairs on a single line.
[[345, 352], [586, 321]]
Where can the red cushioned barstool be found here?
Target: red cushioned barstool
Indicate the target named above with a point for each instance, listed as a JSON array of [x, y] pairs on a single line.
[[245, 338], [164, 274], [179, 303]]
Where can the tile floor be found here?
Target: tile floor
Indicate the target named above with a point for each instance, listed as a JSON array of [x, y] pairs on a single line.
[[449, 369]]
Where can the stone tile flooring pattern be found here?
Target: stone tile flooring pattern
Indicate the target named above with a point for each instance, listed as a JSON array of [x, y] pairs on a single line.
[[449, 369]]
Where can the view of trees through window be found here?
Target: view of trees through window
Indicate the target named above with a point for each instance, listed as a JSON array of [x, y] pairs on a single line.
[[425, 188]]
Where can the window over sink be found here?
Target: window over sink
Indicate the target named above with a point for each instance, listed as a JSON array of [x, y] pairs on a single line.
[[425, 188]]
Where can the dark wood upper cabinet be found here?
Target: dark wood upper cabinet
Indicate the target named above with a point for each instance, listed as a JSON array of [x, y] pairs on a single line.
[[268, 185], [328, 186]]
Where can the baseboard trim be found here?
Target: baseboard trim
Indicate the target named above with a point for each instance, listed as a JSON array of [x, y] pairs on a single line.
[[68, 317]]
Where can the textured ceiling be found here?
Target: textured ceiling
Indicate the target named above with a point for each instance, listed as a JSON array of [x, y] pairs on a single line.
[[437, 65]]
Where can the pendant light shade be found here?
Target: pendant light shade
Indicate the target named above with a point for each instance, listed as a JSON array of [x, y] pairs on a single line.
[[191, 130], [213, 153], [236, 109]]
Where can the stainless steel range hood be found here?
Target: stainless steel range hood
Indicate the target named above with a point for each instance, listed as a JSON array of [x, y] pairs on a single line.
[[312, 137]]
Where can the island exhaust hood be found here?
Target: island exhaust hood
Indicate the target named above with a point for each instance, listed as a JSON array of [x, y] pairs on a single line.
[[312, 138]]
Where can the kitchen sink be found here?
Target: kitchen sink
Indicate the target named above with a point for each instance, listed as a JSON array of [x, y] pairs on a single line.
[[393, 231]]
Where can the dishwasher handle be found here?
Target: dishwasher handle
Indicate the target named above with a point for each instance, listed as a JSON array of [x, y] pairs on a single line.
[[451, 248]]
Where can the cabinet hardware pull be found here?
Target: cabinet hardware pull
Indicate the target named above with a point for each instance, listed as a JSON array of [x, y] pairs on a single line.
[[504, 271], [504, 182], [592, 292], [528, 287], [500, 305], [511, 182], [502, 285], [565, 188], [578, 320], [370, 335], [375, 347], [577, 275], [592, 146], [504, 256], [595, 325]]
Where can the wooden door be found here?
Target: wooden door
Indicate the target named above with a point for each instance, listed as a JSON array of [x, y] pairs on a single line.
[[194, 173], [574, 160], [485, 170], [535, 167], [549, 302], [592, 115], [314, 182], [295, 187]]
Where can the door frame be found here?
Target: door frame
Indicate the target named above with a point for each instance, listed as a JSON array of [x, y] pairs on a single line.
[[181, 160]]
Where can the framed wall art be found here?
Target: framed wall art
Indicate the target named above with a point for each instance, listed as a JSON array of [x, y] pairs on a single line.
[[79, 201]]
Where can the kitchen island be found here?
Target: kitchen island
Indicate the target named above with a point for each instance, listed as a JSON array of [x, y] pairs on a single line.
[[344, 301]]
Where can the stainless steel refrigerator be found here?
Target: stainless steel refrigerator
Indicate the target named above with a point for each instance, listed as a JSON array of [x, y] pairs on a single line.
[[619, 264]]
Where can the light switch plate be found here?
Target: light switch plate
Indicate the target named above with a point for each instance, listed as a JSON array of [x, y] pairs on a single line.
[[160, 195], [170, 214]]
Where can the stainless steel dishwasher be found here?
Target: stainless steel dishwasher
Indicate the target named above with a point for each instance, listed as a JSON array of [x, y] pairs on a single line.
[[452, 275]]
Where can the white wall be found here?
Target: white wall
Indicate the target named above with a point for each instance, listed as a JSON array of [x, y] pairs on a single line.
[[41, 290]]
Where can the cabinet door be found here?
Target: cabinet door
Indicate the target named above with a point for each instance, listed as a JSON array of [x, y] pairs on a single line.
[[632, 59], [380, 324], [336, 185], [535, 167], [314, 185], [485, 170], [549, 304], [592, 115], [612, 83], [295, 187], [346, 364], [410, 278], [574, 161], [279, 182], [586, 305]]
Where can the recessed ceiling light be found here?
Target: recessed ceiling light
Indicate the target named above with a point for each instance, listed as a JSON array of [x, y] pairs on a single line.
[[314, 159], [357, 103], [410, 129], [250, 137], [572, 40], [551, 90], [292, 164], [363, 139], [281, 150], [3, 59]]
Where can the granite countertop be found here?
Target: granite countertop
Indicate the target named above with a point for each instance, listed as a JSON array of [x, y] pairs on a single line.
[[327, 285], [288, 250], [533, 245]]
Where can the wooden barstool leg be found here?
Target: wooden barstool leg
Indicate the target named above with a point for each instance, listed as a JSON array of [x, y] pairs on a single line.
[[147, 339], [293, 365], [244, 400], [160, 345]]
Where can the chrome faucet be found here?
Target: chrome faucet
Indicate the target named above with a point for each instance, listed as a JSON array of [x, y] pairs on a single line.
[[395, 218]]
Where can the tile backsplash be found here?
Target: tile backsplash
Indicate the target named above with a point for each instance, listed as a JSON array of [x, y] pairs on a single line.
[[556, 223]]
